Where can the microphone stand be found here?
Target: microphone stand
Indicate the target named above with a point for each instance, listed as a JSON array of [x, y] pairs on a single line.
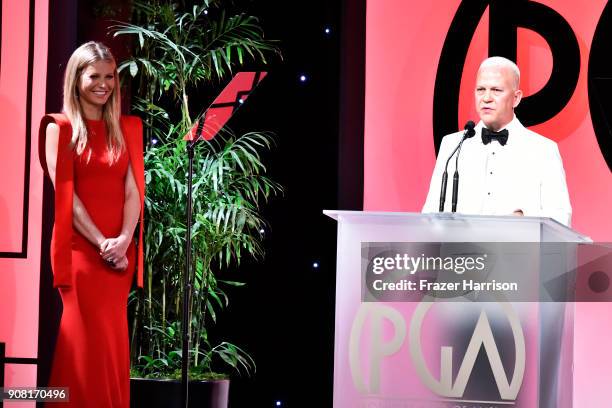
[[237, 91], [456, 179], [445, 178], [191, 144], [469, 132]]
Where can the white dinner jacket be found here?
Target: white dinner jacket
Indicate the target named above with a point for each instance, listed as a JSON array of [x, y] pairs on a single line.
[[526, 174]]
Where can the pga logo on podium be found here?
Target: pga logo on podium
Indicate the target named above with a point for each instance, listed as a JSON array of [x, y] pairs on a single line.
[[379, 346]]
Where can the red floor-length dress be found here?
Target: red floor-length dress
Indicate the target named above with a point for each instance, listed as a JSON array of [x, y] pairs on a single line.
[[92, 351]]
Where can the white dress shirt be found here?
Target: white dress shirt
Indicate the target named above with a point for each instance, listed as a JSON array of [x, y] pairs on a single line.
[[526, 174]]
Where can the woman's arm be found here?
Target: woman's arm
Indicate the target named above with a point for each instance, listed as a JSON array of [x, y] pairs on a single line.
[[81, 220], [115, 248]]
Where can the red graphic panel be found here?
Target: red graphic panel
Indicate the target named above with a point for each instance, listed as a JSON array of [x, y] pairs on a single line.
[[224, 105]]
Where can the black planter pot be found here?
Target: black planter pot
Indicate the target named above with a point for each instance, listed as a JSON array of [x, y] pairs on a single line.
[[149, 393]]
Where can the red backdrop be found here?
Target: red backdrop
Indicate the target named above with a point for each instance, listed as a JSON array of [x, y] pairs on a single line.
[[404, 41]]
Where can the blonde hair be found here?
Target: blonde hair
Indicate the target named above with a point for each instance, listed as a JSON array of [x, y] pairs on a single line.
[[501, 62], [87, 54]]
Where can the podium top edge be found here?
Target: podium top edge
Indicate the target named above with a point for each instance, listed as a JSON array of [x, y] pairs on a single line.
[[338, 215]]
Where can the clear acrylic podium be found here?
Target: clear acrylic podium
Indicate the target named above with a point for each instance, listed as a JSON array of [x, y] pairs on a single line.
[[376, 344]]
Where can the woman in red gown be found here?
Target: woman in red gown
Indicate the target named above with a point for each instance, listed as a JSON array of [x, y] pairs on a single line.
[[93, 156]]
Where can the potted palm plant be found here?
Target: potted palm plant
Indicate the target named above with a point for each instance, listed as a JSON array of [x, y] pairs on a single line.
[[177, 53]]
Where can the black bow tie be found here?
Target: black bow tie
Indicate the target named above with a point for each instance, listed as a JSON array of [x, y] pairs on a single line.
[[488, 135]]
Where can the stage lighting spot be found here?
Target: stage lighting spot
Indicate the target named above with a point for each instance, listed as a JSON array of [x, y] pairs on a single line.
[[303, 78], [327, 30], [315, 265], [154, 141], [278, 403], [599, 282]]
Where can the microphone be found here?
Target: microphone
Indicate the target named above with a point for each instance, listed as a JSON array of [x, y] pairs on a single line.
[[469, 132]]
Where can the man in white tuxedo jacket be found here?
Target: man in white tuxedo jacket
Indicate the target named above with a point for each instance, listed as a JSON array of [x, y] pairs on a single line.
[[505, 168]]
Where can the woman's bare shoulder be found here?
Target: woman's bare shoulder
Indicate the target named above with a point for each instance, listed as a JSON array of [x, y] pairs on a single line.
[[52, 131], [53, 127]]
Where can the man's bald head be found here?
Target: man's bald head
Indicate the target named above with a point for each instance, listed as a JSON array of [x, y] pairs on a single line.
[[504, 64]]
